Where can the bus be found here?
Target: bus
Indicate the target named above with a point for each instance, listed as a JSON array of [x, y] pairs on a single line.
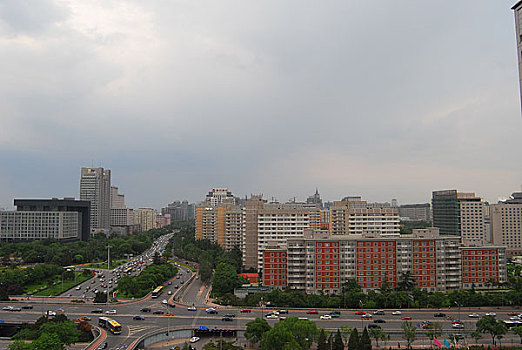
[[157, 292], [128, 270], [109, 324]]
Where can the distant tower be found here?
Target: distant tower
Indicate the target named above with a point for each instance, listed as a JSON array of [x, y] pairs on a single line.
[[517, 8], [315, 199], [394, 203], [95, 186]]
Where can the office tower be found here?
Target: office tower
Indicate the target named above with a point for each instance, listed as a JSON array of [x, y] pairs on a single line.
[[220, 196], [517, 8], [62, 219], [352, 215], [461, 214], [122, 218], [506, 224], [177, 210], [95, 187], [415, 212]]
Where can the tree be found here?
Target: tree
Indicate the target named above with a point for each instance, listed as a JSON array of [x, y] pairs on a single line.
[[255, 330], [489, 324], [477, 336], [225, 279], [365, 343], [321, 342], [409, 333], [345, 332], [66, 331], [338, 341], [279, 338], [48, 341], [353, 342], [406, 282], [518, 331], [305, 332], [20, 345], [377, 334]]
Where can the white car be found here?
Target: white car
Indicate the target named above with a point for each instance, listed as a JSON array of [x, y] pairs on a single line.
[[515, 318], [325, 317], [7, 308], [110, 312], [458, 325], [272, 316], [194, 339], [51, 313], [78, 288], [164, 301], [192, 308], [396, 313], [491, 314], [474, 315]]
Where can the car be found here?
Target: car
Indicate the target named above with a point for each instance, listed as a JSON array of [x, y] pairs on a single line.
[[60, 311], [176, 286], [335, 313], [245, 310], [145, 309], [283, 312], [211, 311], [271, 316], [7, 308], [138, 318], [164, 301], [16, 309], [360, 312], [97, 311], [159, 312], [78, 288], [110, 312], [177, 277], [312, 312], [491, 314], [192, 308], [513, 313], [474, 315], [169, 292], [371, 325], [515, 318], [457, 325], [439, 314], [226, 318], [379, 320], [194, 339], [325, 317], [302, 318], [50, 313], [395, 313], [170, 283], [229, 315], [171, 305], [367, 316], [406, 318], [379, 312], [85, 318], [175, 348]]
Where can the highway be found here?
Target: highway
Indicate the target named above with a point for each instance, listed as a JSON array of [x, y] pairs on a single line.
[[162, 316]]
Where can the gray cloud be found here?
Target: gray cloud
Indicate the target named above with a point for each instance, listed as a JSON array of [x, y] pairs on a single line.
[[276, 97]]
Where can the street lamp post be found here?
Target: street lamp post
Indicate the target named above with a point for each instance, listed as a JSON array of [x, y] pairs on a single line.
[[108, 270], [362, 319]]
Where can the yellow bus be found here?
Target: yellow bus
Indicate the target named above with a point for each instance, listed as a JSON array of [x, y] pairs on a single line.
[[108, 323], [157, 292]]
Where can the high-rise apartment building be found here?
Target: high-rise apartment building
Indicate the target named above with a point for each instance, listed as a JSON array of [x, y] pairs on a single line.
[[95, 187], [146, 218], [177, 210], [462, 214], [221, 224], [220, 196], [355, 216], [319, 263], [506, 224], [122, 218]]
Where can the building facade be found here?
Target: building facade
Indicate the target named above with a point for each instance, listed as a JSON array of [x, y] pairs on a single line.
[[415, 212], [95, 187], [145, 218], [462, 214], [83, 208], [506, 224], [37, 225], [318, 263]]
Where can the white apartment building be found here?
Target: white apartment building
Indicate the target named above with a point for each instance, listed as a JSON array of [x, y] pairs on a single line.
[[506, 224], [277, 225]]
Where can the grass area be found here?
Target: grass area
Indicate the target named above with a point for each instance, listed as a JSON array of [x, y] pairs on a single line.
[[56, 288]]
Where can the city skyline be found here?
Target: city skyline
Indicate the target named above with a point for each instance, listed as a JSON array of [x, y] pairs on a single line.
[[377, 100]]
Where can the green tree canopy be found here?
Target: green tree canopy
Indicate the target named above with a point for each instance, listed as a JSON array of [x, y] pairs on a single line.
[[255, 330], [489, 324]]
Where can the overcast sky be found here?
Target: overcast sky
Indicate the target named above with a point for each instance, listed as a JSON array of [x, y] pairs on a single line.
[[384, 99]]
